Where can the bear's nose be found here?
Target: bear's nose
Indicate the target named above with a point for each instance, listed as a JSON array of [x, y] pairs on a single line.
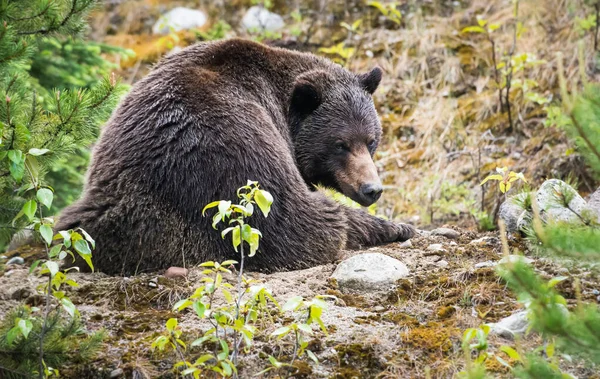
[[371, 191]]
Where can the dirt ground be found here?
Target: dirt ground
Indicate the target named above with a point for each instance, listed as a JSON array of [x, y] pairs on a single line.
[[403, 331]]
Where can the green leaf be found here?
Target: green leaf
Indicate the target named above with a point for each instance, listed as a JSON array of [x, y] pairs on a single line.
[[264, 201], [16, 170], [512, 353], [182, 304], [171, 324], [554, 281], [52, 267], [305, 328], [312, 356], [25, 326], [209, 205], [12, 334], [37, 152], [235, 238], [15, 156], [292, 304], [473, 29], [34, 265], [550, 350], [224, 206], [491, 177], [29, 209], [281, 331], [82, 247], [46, 232], [69, 306], [275, 362], [88, 238], [200, 308]]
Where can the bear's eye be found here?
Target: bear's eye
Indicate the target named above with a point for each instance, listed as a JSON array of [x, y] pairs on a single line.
[[341, 147], [372, 145]]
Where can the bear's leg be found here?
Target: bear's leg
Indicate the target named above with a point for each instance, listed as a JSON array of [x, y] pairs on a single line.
[[364, 230]]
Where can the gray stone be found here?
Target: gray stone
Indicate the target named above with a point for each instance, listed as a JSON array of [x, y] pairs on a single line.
[[369, 271], [513, 258], [442, 263], [178, 19], [21, 238], [594, 203], [436, 247], [490, 241], [406, 244], [524, 220], [511, 210], [446, 232], [424, 233], [485, 264], [259, 18], [116, 373], [511, 326], [15, 261], [551, 201]]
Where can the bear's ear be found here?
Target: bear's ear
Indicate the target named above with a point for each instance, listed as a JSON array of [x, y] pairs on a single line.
[[306, 97], [370, 80]]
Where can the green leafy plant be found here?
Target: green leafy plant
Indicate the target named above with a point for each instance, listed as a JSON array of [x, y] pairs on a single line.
[[505, 178], [38, 127], [388, 10], [237, 315]]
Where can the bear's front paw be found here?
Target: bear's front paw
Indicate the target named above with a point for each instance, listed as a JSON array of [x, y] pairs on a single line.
[[405, 232]]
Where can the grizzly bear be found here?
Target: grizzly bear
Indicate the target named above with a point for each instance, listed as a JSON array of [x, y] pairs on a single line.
[[204, 122]]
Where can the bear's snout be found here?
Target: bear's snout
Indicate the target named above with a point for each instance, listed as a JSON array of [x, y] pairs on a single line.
[[371, 192]]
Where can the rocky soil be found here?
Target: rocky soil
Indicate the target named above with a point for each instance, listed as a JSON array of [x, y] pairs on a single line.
[[400, 325]]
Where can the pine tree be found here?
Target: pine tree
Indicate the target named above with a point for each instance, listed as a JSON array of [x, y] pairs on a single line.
[[39, 127], [575, 332]]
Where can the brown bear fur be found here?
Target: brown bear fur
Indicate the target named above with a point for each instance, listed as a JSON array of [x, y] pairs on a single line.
[[205, 121]]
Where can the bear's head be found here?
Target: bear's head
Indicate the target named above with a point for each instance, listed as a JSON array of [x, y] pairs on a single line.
[[335, 131]]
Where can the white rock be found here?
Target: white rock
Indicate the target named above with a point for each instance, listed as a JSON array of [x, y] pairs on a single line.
[[369, 271], [424, 233], [553, 206], [446, 232], [436, 247], [178, 19], [594, 203], [510, 326], [511, 210], [259, 18], [485, 264], [15, 261], [442, 263], [406, 244], [485, 241], [513, 258]]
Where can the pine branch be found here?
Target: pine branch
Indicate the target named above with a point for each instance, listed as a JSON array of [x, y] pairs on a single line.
[[53, 28]]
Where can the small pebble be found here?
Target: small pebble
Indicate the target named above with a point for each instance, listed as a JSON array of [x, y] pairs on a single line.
[[485, 264], [116, 373], [176, 272], [424, 233], [595, 292], [436, 247], [16, 261], [513, 258], [446, 232], [153, 283], [379, 308], [442, 263], [405, 244], [485, 241]]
